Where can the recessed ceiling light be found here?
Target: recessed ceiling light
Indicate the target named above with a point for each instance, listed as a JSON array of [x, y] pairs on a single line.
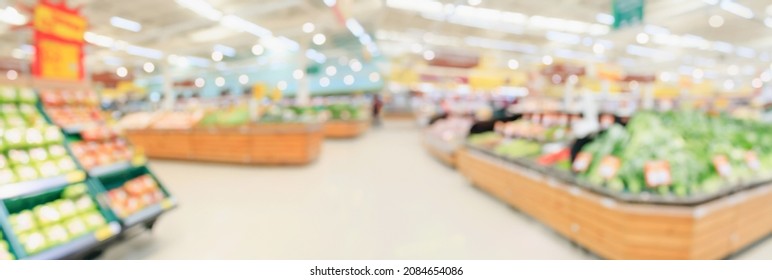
[[642, 38], [716, 21], [122, 72], [149, 67], [513, 64], [319, 39], [200, 82], [220, 81], [308, 27], [243, 79], [258, 49]]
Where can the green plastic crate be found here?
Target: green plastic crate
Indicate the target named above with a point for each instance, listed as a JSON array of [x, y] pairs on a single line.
[[113, 181]]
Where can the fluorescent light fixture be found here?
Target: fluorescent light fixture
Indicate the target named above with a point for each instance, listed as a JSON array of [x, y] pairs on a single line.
[[330, 3], [736, 8], [202, 8], [11, 16], [647, 52], [354, 26], [656, 30], [112, 60], [564, 38], [289, 43], [196, 61], [746, 52], [126, 24], [225, 50], [723, 47], [243, 25], [213, 34], [316, 56], [99, 40], [348, 80], [144, 52], [604, 18], [324, 82], [500, 45]]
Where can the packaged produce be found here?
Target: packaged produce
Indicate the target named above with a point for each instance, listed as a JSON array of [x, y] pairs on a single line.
[[134, 195]]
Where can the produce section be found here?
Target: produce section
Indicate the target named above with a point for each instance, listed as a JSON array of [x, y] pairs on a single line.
[[49, 205], [672, 169]]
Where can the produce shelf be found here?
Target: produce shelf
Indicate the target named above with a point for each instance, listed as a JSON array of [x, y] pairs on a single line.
[[101, 171], [268, 143], [150, 213], [79, 246], [616, 229], [41, 185], [345, 129], [440, 150]]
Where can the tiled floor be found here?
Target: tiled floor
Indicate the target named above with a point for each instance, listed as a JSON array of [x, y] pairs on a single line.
[[380, 196]]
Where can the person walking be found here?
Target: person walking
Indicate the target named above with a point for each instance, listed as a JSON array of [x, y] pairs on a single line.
[[377, 105]]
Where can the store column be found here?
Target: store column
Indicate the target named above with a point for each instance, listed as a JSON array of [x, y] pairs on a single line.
[[167, 86], [303, 95]]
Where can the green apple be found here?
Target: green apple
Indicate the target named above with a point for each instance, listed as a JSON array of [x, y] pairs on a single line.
[[93, 220], [14, 138], [57, 235], [66, 208], [57, 151], [74, 191], [7, 177], [8, 94], [22, 222], [27, 95], [47, 214], [26, 173], [3, 160], [48, 169], [66, 164], [53, 135], [85, 204], [33, 137], [18, 157], [38, 154], [76, 227], [33, 242], [6, 256], [3, 245]]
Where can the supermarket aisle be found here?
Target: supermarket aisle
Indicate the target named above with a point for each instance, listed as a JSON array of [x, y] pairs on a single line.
[[377, 197]]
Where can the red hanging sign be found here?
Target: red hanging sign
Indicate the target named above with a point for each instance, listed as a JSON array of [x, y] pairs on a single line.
[[59, 42]]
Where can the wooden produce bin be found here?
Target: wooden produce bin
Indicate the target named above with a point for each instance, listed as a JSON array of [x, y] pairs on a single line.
[[440, 150], [617, 230], [254, 144], [345, 129]]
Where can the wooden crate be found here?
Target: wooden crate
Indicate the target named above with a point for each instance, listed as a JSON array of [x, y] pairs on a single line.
[[254, 144], [617, 230], [345, 129]]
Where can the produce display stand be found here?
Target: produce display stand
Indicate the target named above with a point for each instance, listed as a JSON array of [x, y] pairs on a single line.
[[442, 151], [345, 129], [615, 229], [265, 143]]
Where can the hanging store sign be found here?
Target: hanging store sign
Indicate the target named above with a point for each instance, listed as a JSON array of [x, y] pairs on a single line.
[[58, 42], [627, 13]]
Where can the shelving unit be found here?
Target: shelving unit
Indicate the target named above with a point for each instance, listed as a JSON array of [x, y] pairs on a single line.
[[345, 129]]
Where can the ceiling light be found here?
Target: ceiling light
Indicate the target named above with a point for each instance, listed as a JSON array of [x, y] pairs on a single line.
[[513, 64], [331, 70], [642, 38], [698, 74], [225, 50], [220, 81], [126, 24], [308, 27], [144, 52], [598, 49], [216, 56], [547, 60], [99, 40], [149, 67], [355, 65], [355, 28], [319, 39], [243, 79], [324, 81], [746, 52], [604, 18], [258, 49], [11, 16], [202, 8], [281, 85], [474, 2], [728, 84], [565, 38], [737, 9], [200, 82], [330, 3], [733, 70], [716, 21], [757, 83], [241, 24], [122, 72], [298, 74], [348, 80], [375, 77], [429, 55], [12, 75]]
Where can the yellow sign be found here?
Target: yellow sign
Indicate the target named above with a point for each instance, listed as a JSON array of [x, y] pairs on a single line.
[[276, 95], [258, 91], [59, 23], [60, 60]]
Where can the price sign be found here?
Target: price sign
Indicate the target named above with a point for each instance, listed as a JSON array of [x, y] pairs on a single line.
[[59, 34], [657, 173], [752, 160], [258, 91], [609, 166], [721, 163], [582, 161]]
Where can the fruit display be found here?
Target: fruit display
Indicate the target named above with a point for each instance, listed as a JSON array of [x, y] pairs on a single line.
[[33, 153], [17, 108], [485, 140], [72, 108], [178, 120], [100, 152], [546, 128], [134, 195], [5, 249], [139, 120], [73, 214], [677, 154]]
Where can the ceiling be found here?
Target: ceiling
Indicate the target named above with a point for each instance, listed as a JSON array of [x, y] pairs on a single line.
[[679, 36]]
